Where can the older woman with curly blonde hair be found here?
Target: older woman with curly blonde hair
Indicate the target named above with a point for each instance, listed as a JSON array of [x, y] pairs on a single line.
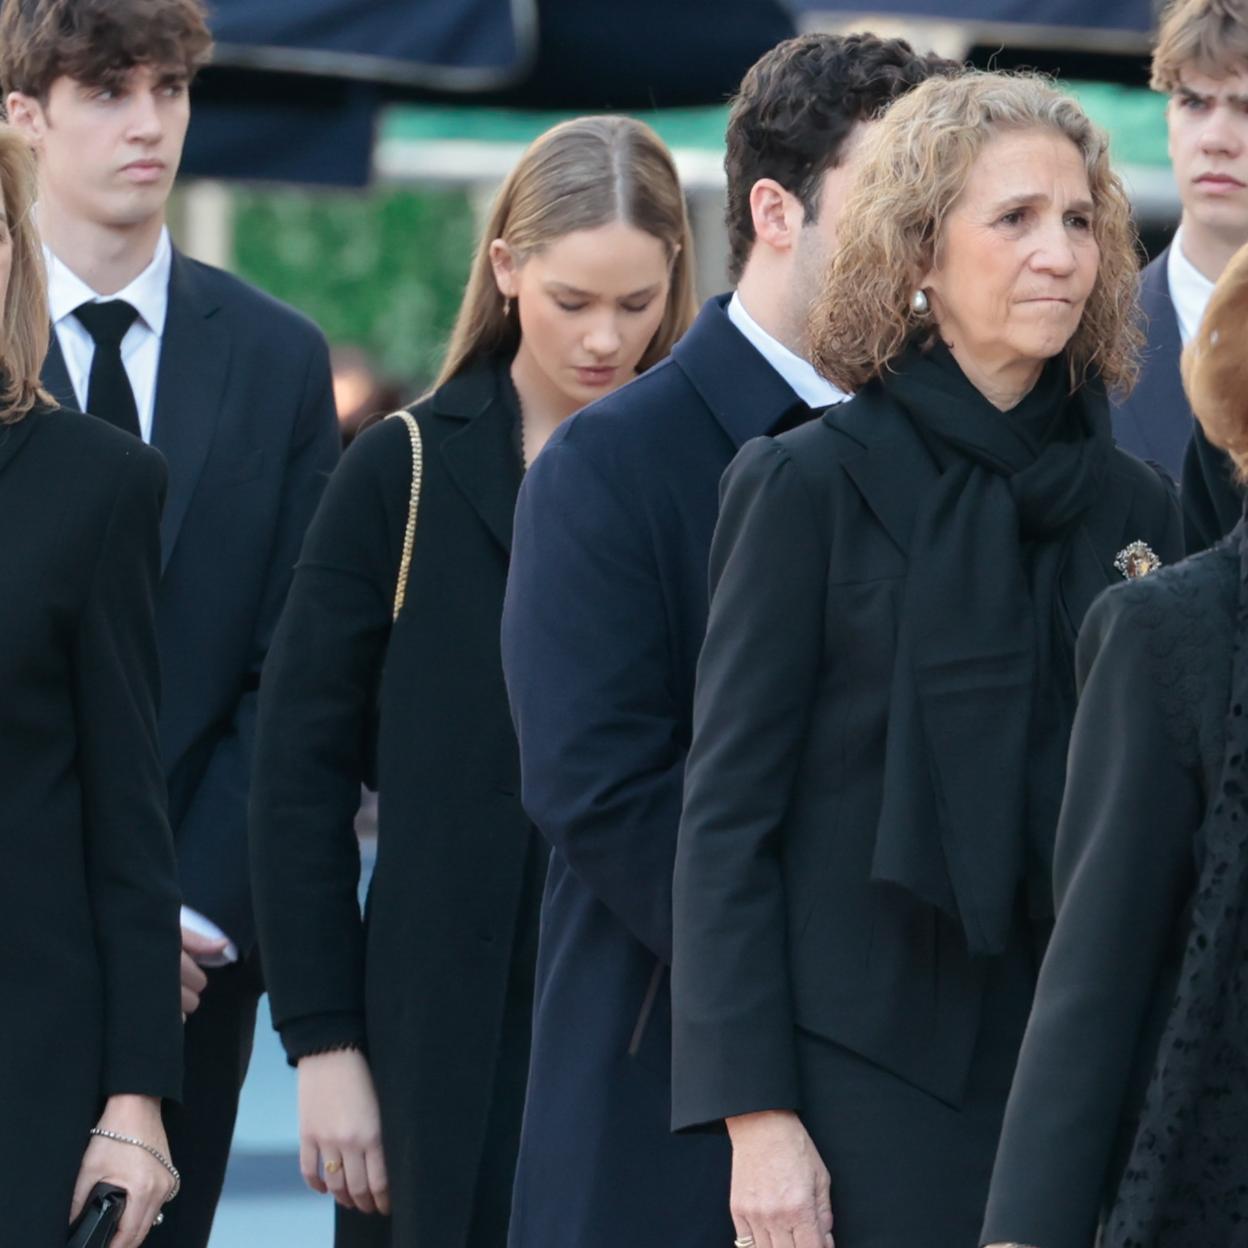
[[863, 883]]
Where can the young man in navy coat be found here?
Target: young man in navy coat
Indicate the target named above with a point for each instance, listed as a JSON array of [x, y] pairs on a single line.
[[605, 613], [1207, 120], [234, 389]]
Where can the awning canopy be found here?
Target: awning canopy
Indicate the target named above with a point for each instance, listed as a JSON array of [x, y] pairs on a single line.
[[444, 144]]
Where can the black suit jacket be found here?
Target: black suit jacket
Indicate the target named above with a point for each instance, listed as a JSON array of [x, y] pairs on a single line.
[[1146, 755], [89, 943], [435, 984], [245, 418], [1155, 421], [777, 922], [605, 612]]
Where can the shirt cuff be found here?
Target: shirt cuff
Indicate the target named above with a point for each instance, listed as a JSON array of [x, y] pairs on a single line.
[[201, 926]]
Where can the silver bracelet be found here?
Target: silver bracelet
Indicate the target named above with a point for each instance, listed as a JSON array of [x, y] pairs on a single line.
[[147, 1148]]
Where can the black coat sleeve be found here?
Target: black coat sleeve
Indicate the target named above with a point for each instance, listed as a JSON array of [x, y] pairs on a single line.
[[732, 1015], [132, 878], [587, 659], [317, 708], [212, 838], [1123, 873]]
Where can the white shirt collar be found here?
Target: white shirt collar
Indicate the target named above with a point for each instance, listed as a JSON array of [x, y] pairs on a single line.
[[806, 382], [1190, 289], [148, 293]]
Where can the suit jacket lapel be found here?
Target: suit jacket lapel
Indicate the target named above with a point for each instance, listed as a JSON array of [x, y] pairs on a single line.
[[56, 375], [1159, 397], [190, 384], [894, 459], [481, 456]]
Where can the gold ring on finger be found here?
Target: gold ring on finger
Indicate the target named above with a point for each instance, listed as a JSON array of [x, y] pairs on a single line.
[[746, 1241], [332, 1167]]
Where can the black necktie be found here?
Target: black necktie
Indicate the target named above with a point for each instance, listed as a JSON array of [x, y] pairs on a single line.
[[108, 388]]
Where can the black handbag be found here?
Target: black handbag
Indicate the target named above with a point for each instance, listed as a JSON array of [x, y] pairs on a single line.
[[95, 1226]]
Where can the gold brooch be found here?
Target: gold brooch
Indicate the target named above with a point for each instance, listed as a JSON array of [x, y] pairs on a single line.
[[1136, 560]]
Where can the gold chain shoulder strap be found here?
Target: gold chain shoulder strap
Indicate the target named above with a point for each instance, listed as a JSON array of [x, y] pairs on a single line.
[[413, 506]]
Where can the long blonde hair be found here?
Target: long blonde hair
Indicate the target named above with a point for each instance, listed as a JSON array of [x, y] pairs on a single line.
[[24, 324], [915, 165], [580, 174]]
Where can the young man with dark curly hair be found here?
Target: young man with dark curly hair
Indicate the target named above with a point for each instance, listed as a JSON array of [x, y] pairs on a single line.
[[606, 607], [234, 389]]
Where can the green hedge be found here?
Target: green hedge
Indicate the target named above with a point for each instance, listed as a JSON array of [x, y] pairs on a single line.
[[383, 271]]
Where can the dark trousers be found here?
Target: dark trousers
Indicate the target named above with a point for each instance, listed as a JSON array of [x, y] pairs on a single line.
[[219, 1037]]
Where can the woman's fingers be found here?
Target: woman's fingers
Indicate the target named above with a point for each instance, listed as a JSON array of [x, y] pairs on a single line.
[[356, 1173], [335, 1176], [378, 1180], [310, 1165], [750, 1234]]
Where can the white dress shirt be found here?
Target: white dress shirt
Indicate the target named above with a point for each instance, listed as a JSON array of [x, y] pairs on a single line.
[[140, 354], [809, 386], [1190, 289], [140, 348]]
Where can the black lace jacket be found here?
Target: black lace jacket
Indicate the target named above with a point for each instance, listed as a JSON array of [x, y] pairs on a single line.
[[1146, 760]]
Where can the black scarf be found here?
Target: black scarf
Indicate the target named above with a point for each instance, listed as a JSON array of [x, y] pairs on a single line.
[[983, 684], [1186, 1181]]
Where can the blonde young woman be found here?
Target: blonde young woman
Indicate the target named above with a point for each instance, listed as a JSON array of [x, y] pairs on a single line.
[[91, 1038], [411, 1029]]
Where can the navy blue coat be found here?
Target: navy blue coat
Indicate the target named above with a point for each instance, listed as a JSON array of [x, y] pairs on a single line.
[[605, 612], [1155, 421], [245, 419]]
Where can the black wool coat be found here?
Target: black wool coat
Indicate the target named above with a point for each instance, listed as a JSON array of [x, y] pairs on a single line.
[[1146, 758], [432, 982], [89, 939], [778, 925]]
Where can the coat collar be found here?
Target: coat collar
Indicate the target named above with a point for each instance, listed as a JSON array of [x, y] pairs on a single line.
[[480, 455], [13, 437], [744, 392]]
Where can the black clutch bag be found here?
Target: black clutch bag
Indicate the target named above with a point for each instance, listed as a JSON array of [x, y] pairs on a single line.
[[95, 1226]]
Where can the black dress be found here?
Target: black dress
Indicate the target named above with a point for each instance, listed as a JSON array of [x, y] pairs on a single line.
[[436, 982], [1147, 757], [89, 939], [883, 703]]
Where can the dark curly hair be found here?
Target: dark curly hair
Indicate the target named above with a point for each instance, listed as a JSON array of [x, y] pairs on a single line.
[[794, 110], [97, 41]]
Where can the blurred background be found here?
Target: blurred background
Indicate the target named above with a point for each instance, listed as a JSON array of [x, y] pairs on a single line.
[[343, 152]]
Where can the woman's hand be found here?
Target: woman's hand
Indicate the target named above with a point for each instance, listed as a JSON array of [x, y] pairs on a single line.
[[147, 1183], [340, 1131], [780, 1187]]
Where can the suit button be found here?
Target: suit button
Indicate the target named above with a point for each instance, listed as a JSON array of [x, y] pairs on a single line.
[[485, 936]]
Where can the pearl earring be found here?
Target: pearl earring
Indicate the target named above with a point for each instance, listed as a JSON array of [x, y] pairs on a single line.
[[919, 304]]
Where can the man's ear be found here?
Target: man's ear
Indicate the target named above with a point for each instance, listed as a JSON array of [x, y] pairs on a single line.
[[777, 214], [26, 115]]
